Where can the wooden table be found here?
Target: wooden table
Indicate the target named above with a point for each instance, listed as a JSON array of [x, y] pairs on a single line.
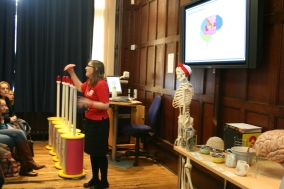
[[115, 106], [270, 178]]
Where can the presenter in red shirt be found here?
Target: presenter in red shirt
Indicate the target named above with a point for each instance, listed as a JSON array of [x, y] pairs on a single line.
[[96, 100]]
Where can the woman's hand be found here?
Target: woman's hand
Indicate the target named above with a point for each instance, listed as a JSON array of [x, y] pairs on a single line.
[[69, 68], [13, 118], [83, 102]]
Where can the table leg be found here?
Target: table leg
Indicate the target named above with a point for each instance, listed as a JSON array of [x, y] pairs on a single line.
[[225, 183], [179, 170], [114, 137]]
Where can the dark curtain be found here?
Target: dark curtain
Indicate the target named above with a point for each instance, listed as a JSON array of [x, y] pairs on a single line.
[[51, 34], [7, 39]]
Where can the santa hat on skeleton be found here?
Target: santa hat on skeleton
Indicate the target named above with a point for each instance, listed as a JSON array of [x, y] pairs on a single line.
[[185, 68]]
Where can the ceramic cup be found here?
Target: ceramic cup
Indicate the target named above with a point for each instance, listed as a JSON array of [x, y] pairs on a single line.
[[231, 160], [242, 168]]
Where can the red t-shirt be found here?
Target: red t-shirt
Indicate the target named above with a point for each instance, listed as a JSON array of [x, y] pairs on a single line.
[[100, 92]]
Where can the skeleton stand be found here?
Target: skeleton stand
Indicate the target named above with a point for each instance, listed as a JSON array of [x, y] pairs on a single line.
[[182, 100]]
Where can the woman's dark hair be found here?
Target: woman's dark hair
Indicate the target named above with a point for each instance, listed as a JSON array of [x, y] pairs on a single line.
[[98, 74]]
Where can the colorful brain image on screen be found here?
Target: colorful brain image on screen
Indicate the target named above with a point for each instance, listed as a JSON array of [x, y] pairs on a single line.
[[210, 26]]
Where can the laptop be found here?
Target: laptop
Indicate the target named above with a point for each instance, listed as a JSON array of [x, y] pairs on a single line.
[[121, 99]]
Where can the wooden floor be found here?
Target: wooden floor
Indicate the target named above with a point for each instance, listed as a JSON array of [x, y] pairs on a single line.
[[146, 175]]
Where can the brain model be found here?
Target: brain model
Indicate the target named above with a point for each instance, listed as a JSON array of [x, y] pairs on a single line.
[[215, 142], [271, 145]]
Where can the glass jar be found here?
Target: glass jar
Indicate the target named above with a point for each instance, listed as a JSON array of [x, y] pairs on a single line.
[[191, 139]]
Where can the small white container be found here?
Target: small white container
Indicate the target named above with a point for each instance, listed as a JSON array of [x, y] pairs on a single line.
[[113, 92]]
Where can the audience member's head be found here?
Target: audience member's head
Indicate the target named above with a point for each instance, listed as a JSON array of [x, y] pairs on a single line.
[[3, 106], [4, 89], [11, 96]]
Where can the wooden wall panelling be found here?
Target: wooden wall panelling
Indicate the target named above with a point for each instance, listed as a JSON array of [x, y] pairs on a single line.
[[264, 116], [203, 81], [261, 119], [159, 68], [209, 81], [125, 36], [230, 115], [207, 124], [135, 67], [234, 110], [202, 178], [144, 24], [137, 26], [256, 92], [142, 66], [152, 20], [279, 122], [272, 6], [127, 56], [235, 83], [138, 2], [124, 55], [174, 122], [195, 112], [169, 77], [141, 95], [172, 18], [124, 45], [280, 94], [182, 2], [150, 66], [197, 80], [216, 119], [127, 27], [177, 60], [239, 104], [161, 18], [169, 127], [262, 79], [165, 154]]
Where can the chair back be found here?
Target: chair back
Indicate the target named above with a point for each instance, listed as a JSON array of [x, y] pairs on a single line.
[[154, 110]]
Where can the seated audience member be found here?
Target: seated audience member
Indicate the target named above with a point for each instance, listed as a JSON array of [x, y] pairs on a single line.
[[9, 115], [11, 96], [16, 137]]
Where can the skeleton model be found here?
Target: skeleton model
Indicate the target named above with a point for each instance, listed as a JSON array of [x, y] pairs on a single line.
[[182, 100]]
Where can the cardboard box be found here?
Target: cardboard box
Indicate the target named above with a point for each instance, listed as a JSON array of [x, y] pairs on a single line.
[[229, 137]]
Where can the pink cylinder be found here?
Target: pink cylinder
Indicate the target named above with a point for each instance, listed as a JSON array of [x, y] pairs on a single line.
[[74, 156]]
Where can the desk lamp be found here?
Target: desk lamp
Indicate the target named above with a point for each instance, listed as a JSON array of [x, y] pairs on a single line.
[[124, 78]]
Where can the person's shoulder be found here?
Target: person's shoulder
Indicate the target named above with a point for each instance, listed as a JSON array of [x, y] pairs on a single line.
[[102, 82]]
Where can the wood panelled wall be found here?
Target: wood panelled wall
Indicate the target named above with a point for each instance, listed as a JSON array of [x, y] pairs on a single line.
[[254, 96], [153, 26]]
